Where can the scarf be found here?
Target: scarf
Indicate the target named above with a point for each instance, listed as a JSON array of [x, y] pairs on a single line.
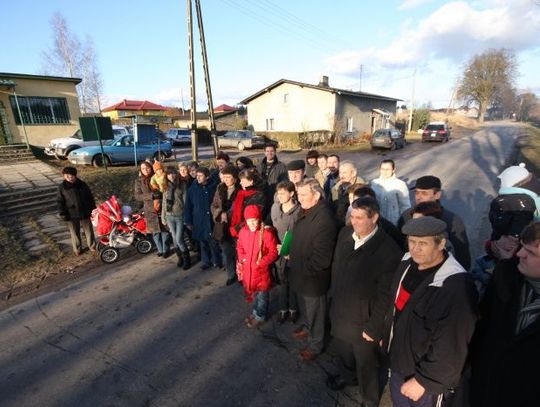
[[237, 209]]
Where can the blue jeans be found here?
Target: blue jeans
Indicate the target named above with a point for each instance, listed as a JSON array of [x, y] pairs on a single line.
[[228, 249], [210, 252], [260, 305], [176, 227], [160, 239]]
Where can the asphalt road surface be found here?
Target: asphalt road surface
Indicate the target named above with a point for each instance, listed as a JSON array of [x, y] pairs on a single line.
[[144, 333]]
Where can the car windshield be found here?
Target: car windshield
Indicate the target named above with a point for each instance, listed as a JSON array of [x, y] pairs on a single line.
[[380, 133], [435, 127]]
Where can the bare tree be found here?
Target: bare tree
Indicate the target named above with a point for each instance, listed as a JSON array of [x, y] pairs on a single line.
[[91, 76], [67, 57], [486, 77], [527, 103]]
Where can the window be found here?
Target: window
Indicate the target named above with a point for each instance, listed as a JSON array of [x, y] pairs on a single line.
[[269, 124], [349, 124], [40, 110], [285, 97]]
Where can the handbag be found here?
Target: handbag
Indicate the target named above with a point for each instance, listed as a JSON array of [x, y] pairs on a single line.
[[219, 232]]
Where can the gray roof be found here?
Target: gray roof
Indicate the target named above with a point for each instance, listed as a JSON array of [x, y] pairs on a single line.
[[42, 77], [338, 91]]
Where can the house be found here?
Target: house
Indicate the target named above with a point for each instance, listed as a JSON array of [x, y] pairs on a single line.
[[133, 108], [37, 108], [290, 106]]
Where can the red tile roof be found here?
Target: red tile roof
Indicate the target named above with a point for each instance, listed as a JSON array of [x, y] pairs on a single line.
[[135, 105], [223, 108]]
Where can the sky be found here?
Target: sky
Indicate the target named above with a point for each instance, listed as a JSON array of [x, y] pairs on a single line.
[[372, 46]]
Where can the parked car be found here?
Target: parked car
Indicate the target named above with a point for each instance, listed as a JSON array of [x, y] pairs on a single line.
[[388, 138], [61, 147], [436, 131], [120, 150], [240, 139], [178, 136]]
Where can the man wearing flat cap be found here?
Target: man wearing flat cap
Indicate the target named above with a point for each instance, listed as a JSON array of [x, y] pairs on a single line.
[[431, 320], [296, 171], [428, 189]]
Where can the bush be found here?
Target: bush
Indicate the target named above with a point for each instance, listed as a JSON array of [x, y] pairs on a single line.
[[420, 119]]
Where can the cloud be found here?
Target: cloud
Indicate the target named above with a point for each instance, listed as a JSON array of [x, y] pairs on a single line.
[[408, 4], [453, 32]]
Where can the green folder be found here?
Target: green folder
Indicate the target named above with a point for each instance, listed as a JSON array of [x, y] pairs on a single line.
[[286, 244]]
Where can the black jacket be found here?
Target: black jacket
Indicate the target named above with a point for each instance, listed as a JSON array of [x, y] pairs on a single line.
[[361, 282], [75, 200], [457, 234], [313, 241], [276, 173], [505, 365], [431, 337]]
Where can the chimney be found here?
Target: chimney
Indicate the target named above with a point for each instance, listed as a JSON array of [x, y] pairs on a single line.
[[324, 81]]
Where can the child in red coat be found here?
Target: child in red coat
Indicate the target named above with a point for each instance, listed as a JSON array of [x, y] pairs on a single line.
[[257, 250]]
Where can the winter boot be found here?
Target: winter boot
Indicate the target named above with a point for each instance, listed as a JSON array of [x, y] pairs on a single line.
[[187, 260], [180, 262]]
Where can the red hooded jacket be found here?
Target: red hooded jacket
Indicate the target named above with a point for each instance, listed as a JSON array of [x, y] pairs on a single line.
[[254, 269]]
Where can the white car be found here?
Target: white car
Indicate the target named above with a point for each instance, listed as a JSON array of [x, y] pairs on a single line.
[[61, 147]]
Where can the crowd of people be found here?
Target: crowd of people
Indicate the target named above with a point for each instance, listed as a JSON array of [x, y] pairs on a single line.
[[386, 284]]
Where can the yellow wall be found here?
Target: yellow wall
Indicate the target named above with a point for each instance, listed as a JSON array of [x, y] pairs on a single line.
[[114, 114], [306, 109], [41, 134]]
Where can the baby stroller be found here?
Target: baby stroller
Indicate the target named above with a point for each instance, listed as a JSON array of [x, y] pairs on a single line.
[[117, 228]]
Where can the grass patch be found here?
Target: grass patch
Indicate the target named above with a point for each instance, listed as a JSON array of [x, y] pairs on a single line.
[[530, 149]]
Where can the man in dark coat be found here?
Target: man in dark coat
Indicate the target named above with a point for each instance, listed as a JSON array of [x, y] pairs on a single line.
[[365, 261], [506, 355], [198, 218], [431, 320], [313, 241], [271, 169], [428, 188], [75, 205]]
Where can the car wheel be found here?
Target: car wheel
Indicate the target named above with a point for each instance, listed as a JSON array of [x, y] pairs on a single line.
[[100, 161], [109, 255], [144, 246], [69, 150], [241, 146], [160, 156]]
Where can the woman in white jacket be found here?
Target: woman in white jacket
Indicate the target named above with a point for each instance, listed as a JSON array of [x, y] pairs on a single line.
[[392, 193]]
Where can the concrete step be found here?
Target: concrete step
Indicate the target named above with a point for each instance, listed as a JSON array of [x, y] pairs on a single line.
[[41, 197], [30, 209], [27, 192]]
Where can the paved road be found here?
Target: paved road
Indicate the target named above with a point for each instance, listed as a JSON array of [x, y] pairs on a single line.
[[143, 333]]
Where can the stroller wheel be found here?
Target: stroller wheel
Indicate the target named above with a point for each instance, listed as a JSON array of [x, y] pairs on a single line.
[[144, 246], [109, 255]]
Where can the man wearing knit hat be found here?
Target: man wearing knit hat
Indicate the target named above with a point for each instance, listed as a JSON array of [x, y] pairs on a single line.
[[428, 189], [431, 320], [75, 204]]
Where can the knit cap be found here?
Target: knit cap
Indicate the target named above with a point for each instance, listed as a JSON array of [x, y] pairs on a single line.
[[252, 212], [513, 175], [158, 166]]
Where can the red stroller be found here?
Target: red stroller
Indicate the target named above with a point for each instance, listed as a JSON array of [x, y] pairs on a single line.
[[118, 228]]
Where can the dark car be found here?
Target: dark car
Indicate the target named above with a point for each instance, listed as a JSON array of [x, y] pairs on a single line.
[[388, 138], [178, 136], [436, 131]]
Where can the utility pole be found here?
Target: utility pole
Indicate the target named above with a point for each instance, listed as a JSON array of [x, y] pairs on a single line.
[[207, 78], [412, 103], [361, 68], [193, 111]]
